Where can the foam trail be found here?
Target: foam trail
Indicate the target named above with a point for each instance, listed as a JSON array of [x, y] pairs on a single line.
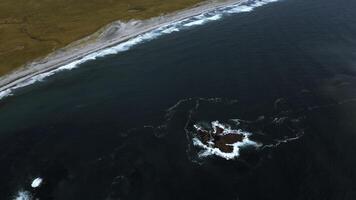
[[203, 18]]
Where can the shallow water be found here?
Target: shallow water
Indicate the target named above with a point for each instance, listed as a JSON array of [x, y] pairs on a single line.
[[105, 130]]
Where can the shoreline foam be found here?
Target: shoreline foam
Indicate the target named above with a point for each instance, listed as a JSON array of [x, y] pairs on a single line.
[[118, 37]]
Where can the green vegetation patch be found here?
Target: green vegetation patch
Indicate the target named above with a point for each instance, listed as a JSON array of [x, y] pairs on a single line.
[[31, 29]]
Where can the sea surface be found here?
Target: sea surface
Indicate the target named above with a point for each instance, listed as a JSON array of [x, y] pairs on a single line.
[[121, 126]]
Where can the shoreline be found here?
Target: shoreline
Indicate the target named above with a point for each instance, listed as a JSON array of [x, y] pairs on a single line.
[[107, 37]]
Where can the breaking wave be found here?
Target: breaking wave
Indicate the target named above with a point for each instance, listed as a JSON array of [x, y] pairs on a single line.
[[213, 15]]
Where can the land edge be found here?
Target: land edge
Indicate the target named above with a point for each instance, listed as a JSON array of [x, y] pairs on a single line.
[[108, 36]]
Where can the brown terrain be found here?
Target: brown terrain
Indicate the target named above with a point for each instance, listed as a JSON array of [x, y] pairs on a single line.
[[31, 29]]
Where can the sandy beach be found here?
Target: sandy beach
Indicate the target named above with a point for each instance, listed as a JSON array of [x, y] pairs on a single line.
[[109, 36]]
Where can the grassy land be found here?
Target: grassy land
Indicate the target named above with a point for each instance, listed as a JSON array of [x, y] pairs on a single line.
[[31, 29]]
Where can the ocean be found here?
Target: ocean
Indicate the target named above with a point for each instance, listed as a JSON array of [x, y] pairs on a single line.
[[123, 126]]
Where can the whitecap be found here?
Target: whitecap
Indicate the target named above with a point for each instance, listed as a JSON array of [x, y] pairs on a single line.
[[36, 182]]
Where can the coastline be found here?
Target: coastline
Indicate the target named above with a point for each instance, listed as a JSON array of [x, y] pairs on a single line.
[[108, 37]]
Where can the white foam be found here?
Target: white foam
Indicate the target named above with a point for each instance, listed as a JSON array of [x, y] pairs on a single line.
[[202, 19], [249, 6], [170, 30], [210, 150], [23, 195], [37, 182], [5, 93], [241, 9], [213, 15]]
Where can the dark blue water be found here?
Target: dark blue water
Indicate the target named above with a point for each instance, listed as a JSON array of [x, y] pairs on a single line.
[[103, 131]]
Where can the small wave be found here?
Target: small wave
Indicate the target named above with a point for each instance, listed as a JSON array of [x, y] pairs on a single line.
[[213, 15]]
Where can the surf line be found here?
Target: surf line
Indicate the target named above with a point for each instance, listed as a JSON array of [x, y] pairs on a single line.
[[195, 19]]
